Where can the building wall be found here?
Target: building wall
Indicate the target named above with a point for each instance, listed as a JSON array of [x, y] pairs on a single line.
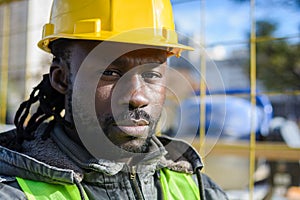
[[13, 21], [21, 25]]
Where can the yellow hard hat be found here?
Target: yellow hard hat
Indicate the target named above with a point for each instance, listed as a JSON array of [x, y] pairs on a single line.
[[147, 22]]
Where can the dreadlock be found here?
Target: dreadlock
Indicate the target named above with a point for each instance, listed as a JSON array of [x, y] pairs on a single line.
[[51, 103]]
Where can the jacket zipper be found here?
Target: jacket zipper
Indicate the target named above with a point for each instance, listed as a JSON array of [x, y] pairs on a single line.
[[135, 184]]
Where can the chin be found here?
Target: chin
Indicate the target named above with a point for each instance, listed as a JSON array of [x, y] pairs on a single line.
[[136, 145]]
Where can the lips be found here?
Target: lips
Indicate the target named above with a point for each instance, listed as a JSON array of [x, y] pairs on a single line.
[[134, 128], [132, 122], [135, 131]]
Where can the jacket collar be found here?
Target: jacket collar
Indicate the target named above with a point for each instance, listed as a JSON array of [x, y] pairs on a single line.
[[50, 161], [14, 164], [86, 161]]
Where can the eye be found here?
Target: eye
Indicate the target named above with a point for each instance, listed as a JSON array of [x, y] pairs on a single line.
[[151, 75], [110, 75]]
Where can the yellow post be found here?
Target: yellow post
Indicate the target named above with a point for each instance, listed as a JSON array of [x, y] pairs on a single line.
[[4, 62], [202, 81], [253, 97]]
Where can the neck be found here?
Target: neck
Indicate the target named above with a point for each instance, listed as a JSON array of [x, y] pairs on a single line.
[[73, 135]]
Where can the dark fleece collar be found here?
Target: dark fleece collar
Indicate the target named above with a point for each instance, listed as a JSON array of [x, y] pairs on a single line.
[[62, 152]]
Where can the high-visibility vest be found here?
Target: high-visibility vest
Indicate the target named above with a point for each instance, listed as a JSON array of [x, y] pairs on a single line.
[[175, 186], [37, 190]]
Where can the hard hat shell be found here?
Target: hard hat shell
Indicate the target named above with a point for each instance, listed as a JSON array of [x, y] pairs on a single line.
[[147, 22]]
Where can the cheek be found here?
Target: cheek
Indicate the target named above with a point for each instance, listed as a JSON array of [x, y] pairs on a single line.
[[103, 99], [161, 95], [157, 100]]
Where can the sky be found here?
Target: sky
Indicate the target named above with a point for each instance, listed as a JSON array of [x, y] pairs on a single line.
[[227, 20]]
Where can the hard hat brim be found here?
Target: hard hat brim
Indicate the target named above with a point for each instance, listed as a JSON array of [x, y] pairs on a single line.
[[121, 38]]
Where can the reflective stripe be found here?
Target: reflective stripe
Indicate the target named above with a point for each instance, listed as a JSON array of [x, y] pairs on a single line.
[[36, 190], [176, 185]]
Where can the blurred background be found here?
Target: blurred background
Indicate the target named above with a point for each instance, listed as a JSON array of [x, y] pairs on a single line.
[[242, 111]]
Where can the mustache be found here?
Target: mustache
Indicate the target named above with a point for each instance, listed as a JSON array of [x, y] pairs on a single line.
[[136, 114]]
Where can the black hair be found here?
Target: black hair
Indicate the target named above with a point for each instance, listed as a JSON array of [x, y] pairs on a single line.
[[51, 102]]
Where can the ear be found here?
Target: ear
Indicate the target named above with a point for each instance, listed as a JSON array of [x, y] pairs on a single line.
[[58, 78]]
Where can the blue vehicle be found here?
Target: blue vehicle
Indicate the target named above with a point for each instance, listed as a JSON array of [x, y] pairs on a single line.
[[228, 115]]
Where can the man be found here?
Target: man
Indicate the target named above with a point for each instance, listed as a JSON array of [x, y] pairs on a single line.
[[108, 77]]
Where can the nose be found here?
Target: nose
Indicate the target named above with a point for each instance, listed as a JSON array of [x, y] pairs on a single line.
[[135, 93]]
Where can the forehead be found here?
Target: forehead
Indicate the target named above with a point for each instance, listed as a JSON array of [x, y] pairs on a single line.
[[140, 50], [141, 56]]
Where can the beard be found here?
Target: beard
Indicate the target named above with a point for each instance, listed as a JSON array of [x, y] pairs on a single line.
[[133, 144]]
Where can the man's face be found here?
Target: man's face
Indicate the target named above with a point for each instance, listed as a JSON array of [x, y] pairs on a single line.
[[129, 98]]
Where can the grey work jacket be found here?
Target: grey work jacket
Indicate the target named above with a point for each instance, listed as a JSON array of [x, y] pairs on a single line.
[[59, 160]]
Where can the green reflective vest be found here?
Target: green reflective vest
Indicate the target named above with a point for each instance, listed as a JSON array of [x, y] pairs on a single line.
[[175, 185], [36, 190]]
